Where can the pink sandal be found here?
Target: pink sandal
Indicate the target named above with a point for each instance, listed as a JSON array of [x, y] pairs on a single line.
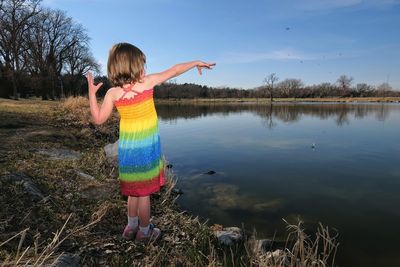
[[153, 234], [129, 232]]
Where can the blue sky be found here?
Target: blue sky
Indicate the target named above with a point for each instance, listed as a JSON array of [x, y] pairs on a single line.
[[313, 40]]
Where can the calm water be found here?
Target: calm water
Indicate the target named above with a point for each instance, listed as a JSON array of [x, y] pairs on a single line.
[[338, 164]]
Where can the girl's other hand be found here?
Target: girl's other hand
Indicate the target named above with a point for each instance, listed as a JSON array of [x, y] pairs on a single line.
[[204, 65], [92, 88]]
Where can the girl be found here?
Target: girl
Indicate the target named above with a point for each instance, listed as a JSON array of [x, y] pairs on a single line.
[[139, 154]]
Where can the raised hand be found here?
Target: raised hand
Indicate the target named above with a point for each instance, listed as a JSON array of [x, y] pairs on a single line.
[[92, 88], [204, 65]]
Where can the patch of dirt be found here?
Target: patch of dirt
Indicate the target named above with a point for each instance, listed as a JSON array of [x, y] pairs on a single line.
[[100, 191]]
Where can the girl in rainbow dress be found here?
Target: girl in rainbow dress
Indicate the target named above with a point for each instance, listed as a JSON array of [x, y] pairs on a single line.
[[141, 168]]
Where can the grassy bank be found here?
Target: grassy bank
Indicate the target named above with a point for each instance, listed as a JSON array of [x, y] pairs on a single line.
[[86, 216], [283, 100]]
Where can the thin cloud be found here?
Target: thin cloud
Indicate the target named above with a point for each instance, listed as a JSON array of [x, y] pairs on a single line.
[[284, 55], [333, 4], [54, 3], [250, 57], [327, 4]]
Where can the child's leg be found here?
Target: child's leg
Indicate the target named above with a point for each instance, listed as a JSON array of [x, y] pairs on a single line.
[[146, 230], [133, 219], [133, 206], [144, 210]]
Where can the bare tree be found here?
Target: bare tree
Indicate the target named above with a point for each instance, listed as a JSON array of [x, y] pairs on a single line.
[[383, 89], [58, 44], [363, 89], [269, 83], [289, 87], [78, 61], [344, 83], [62, 35], [15, 16], [324, 89]]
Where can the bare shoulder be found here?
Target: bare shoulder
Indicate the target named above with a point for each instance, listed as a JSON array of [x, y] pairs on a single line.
[[148, 81], [153, 79], [113, 93]]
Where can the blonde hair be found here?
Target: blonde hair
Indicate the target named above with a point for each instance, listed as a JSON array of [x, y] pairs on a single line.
[[125, 64]]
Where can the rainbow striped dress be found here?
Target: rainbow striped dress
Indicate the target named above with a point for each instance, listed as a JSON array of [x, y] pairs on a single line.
[[141, 167]]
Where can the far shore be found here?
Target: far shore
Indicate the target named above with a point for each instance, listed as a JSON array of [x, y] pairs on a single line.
[[281, 100], [259, 100]]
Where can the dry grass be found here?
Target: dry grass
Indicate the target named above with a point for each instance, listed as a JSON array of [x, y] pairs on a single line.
[[27, 106], [39, 254], [300, 250], [76, 109]]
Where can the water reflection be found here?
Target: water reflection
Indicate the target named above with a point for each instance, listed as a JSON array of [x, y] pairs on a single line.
[[284, 112], [332, 163]]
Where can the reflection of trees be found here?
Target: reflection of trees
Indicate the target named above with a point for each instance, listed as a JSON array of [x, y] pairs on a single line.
[[359, 112], [190, 111], [268, 117], [342, 118], [285, 112], [382, 113], [266, 112]]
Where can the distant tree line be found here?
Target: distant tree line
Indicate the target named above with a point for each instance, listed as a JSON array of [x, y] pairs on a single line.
[[43, 52], [271, 88]]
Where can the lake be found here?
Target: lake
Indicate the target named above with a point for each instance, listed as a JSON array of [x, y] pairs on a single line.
[[338, 164]]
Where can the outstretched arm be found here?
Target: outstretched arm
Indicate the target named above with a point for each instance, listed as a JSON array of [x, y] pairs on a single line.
[[99, 115], [178, 69]]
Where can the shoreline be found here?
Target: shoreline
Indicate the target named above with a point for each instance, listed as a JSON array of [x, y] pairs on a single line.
[[282, 100], [242, 100]]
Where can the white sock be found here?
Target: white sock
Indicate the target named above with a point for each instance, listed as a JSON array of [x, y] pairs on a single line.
[[133, 222], [145, 229]]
